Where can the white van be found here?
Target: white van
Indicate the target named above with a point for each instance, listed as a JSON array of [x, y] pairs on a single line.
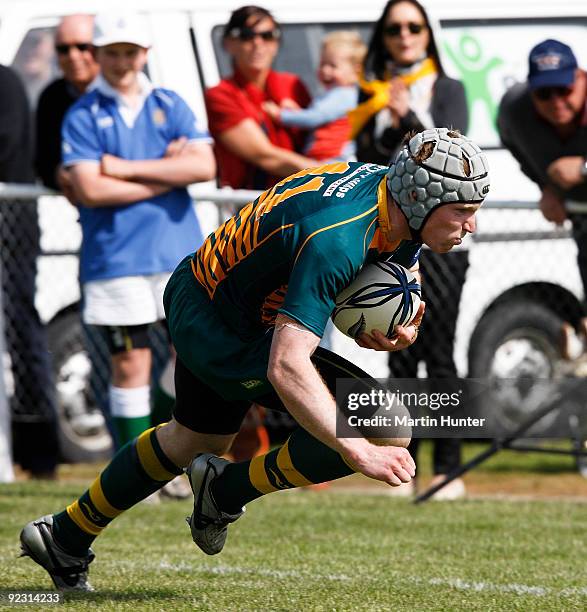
[[523, 278]]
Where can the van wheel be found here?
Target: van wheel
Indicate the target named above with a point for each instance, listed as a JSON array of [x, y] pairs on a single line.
[[82, 430], [514, 345]]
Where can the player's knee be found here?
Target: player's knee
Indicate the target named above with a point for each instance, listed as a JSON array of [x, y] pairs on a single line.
[[217, 445], [181, 444]]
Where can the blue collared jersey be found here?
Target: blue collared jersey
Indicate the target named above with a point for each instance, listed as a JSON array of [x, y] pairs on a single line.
[[297, 246], [146, 237]]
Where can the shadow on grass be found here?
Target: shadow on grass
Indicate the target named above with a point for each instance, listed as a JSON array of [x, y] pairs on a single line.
[[128, 594], [102, 596], [31, 490]]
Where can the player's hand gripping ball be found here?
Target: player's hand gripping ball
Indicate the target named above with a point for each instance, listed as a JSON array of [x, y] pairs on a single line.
[[383, 295]]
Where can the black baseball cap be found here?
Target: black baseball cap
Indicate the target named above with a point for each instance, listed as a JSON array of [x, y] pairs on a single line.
[[551, 64]]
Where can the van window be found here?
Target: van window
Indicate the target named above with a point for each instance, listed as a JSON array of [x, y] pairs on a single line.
[[489, 56], [300, 49], [35, 62]]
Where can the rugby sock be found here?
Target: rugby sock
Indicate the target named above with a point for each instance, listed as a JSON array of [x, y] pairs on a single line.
[[138, 469], [131, 412], [301, 461]]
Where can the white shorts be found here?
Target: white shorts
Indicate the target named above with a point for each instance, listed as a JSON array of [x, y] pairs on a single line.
[[128, 300]]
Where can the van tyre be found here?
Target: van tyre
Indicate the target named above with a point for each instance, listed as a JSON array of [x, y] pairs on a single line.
[[511, 321], [516, 341], [81, 427]]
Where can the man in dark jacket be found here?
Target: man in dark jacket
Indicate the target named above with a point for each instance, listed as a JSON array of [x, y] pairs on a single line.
[[543, 122], [73, 44], [35, 438]]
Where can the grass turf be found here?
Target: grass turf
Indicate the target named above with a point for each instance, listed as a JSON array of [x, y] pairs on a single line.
[[326, 550]]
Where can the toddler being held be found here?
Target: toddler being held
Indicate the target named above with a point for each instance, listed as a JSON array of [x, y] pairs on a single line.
[[340, 63]]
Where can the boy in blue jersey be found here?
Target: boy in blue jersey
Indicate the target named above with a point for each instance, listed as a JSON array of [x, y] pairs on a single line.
[[130, 150], [246, 313]]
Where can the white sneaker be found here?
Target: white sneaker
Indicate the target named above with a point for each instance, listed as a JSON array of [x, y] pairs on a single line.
[[152, 500], [572, 344], [450, 492], [178, 488], [406, 489]]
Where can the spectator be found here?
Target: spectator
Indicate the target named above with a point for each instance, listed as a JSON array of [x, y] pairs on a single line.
[[33, 403], [340, 64], [73, 44], [131, 150], [543, 122], [35, 63], [406, 87], [411, 92], [253, 151]]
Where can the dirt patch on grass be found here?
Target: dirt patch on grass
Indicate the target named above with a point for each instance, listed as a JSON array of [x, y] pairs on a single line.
[[481, 484]]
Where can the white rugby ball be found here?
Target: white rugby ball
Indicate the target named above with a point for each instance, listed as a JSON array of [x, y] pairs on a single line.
[[383, 295]]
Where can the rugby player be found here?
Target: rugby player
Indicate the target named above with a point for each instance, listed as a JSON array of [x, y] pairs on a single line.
[[246, 313]]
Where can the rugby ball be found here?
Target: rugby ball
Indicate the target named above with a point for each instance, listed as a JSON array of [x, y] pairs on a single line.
[[383, 295]]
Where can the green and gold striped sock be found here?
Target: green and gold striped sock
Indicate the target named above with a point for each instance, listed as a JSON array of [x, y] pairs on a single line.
[[138, 469], [301, 461]]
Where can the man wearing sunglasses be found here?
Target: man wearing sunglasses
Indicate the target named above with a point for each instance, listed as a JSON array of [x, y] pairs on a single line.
[[544, 124], [73, 46]]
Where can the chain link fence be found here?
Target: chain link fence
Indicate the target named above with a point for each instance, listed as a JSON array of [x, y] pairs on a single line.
[[495, 309]]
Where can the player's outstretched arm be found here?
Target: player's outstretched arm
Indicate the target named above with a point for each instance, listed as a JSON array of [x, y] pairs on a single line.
[[309, 401]]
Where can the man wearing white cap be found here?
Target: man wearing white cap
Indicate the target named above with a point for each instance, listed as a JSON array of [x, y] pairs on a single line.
[[131, 150]]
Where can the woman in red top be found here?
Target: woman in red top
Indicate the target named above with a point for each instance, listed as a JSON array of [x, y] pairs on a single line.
[[253, 151]]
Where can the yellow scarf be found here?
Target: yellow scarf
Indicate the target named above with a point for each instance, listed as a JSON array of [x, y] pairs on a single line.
[[379, 95]]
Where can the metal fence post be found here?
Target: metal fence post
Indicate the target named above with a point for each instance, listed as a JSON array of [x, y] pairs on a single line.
[[6, 469]]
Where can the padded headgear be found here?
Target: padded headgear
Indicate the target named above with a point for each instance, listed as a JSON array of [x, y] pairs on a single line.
[[437, 166]]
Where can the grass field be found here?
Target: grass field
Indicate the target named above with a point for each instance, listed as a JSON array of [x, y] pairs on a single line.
[[326, 550]]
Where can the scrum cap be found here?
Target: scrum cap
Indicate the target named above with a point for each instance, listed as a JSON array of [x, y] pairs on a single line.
[[437, 166]]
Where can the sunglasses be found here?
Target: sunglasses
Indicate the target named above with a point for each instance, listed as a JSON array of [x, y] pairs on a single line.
[[246, 34], [64, 49], [546, 93], [395, 29]]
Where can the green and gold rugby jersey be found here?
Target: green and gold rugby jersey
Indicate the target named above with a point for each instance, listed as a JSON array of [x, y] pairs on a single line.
[[297, 246]]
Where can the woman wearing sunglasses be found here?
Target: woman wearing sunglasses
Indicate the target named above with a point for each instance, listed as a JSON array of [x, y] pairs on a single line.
[[404, 86], [408, 90], [253, 151]]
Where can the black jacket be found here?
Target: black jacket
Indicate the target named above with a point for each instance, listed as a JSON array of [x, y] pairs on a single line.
[[54, 102], [448, 109], [15, 130], [534, 142]]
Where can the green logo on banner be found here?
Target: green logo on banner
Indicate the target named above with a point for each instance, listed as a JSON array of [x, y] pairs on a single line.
[[474, 70]]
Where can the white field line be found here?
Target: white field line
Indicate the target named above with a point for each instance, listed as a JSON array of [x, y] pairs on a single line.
[[224, 570], [519, 589], [456, 583]]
